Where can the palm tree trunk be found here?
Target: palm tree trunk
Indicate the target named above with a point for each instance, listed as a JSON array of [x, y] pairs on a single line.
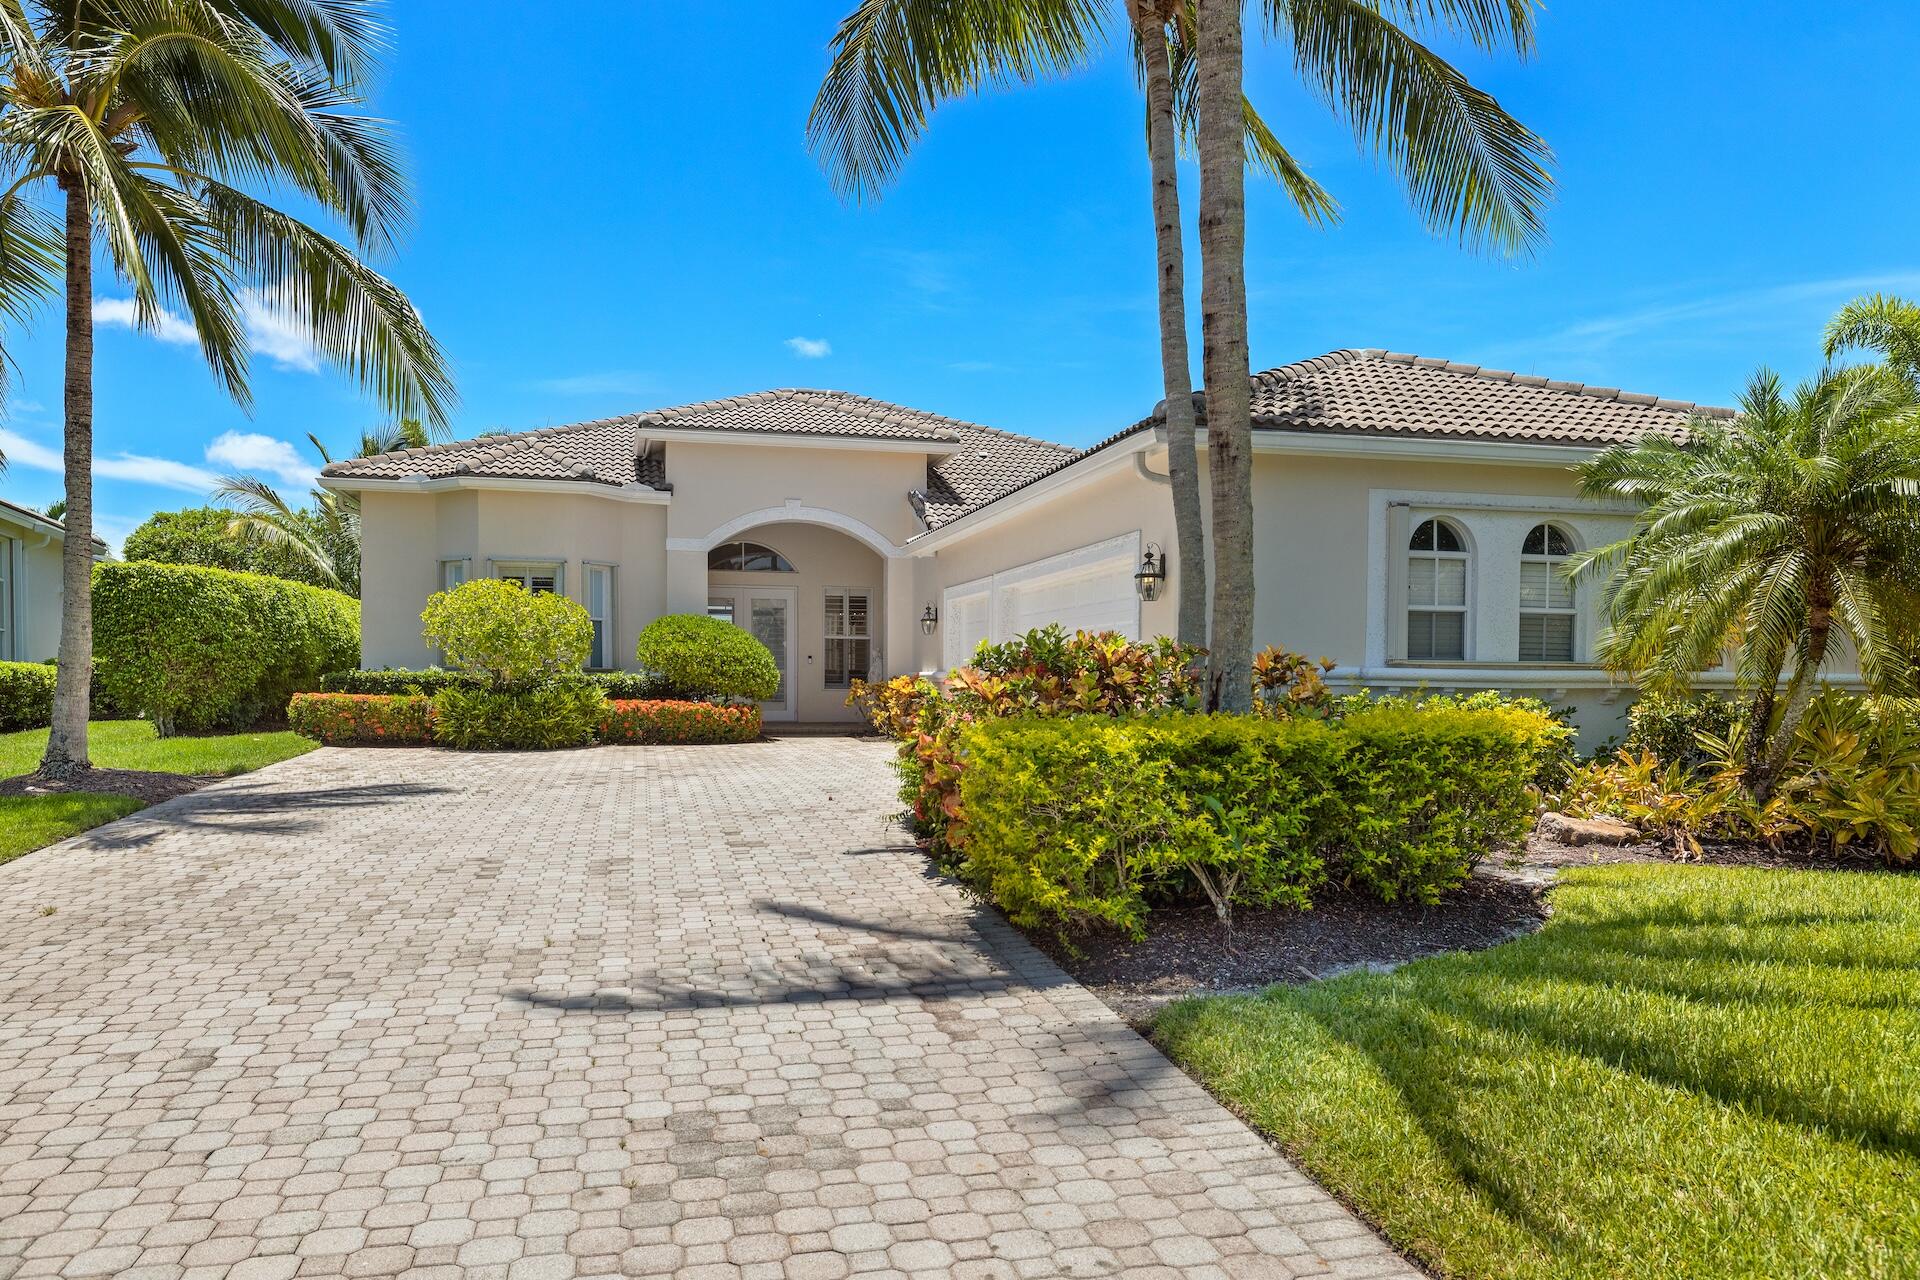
[[1220, 140], [67, 741], [1799, 693], [1176, 363]]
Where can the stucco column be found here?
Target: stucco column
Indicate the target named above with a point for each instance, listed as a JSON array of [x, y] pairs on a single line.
[[686, 581], [903, 606]]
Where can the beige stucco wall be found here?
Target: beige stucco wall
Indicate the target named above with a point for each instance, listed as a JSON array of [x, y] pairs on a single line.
[[716, 483], [34, 580]]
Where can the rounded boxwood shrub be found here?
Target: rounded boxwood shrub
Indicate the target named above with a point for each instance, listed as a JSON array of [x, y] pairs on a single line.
[[506, 636], [194, 648], [26, 695], [700, 657]]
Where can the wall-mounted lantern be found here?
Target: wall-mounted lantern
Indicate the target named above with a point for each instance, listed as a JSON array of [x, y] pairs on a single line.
[[1152, 575], [929, 619]]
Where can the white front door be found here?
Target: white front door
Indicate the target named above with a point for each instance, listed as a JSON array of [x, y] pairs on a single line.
[[767, 612]]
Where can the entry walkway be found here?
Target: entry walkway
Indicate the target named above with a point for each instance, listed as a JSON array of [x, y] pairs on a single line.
[[629, 1011]]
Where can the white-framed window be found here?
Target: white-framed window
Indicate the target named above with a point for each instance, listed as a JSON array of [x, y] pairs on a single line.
[[1438, 565], [747, 557], [537, 576], [1548, 607], [599, 604], [453, 572], [720, 607], [849, 639]]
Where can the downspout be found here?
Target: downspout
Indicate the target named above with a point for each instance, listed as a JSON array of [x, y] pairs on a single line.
[[1140, 459]]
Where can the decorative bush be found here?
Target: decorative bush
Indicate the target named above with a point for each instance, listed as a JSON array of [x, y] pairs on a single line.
[[562, 712], [195, 648], [26, 695], [615, 684], [656, 720], [335, 718], [701, 657], [1071, 820], [505, 636], [1669, 727]]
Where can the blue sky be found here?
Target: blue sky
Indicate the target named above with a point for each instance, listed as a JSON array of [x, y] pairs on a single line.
[[632, 220]]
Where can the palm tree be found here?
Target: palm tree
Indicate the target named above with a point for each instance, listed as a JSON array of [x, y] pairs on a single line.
[[1469, 168], [1775, 536], [325, 533], [141, 121], [896, 60], [1880, 322]]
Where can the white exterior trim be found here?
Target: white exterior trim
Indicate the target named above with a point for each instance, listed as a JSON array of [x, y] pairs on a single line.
[[793, 512], [445, 484], [795, 440], [1071, 476]]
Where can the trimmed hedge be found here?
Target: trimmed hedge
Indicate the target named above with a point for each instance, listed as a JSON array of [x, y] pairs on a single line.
[[26, 695], [196, 648], [335, 718], [559, 713], [1078, 819], [700, 657], [627, 685], [663, 720]]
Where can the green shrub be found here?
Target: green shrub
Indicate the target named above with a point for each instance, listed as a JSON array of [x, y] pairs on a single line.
[[506, 636], [26, 695], [677, 720], [361, 717], [700, 657], [627, 685], [1077, 819], [562, 712], [194, 648], [1669, 727], [1556, 756]]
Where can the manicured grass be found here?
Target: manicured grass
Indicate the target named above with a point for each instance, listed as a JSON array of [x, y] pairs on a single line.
[[1690, 1072], [131, 744], [31, 822]]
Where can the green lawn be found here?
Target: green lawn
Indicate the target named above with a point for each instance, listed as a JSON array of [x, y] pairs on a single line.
[[1694, 1072], [130, 744], [32, 822]]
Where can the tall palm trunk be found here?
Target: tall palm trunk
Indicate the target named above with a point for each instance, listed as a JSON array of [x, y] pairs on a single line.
[[1176, 363], [1223, 330], [67, 742], [1800, 690]]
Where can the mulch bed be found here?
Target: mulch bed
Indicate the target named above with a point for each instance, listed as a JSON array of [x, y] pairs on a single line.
[[1543, 855], [147, 786]]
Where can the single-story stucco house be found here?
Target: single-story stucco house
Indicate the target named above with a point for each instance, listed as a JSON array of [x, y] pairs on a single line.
[[1409, 513], [30, 592]]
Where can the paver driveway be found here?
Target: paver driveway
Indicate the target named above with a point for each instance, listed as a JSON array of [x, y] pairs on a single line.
[[629, 1011]]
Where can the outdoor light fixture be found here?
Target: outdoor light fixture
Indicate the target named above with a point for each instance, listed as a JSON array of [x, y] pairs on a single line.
[[1152, 575], [929, 619]]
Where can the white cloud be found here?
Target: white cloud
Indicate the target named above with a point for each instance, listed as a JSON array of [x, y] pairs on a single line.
[[252, 452], [611, 382], [271, 330], [810, 348], [274, 333], [121, 313], [138, 468]]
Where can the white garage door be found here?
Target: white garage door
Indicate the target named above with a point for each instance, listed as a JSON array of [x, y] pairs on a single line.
[[1086, 589]]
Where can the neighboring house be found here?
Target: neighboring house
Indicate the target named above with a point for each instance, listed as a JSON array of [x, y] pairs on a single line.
[[1409, 516], [30, 583]]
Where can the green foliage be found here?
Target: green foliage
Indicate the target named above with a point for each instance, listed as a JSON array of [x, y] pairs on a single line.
[[334, 718], [563, 712], [26, 695], [201, 535], [507, 637], [195, 648], [1078, 819], [1688, 1072], [33, 822], [678, 721], [133, 744], [701, 657], [626, 685], [1554, 725], [1668, 726]]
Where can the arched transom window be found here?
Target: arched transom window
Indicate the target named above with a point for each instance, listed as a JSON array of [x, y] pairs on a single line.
[[1547, 606], [747, 557], [1437, 562]]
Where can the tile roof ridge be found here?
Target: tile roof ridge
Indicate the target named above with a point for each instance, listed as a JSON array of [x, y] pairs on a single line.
[[345, 466]]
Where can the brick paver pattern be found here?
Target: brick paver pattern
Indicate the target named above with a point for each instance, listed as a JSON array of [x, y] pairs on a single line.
[[688, 1011]]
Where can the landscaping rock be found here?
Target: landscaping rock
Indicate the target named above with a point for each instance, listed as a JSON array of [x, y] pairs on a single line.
[[1578, 831]]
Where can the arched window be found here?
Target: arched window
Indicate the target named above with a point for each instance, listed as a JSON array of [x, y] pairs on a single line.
[[1437, 593], [1547, 609], [747, 557]]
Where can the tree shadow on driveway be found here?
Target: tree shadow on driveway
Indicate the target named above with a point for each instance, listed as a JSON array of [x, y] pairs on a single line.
[[255, 808]]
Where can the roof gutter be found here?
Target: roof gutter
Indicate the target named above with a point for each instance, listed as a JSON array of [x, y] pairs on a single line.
[[447, 484]]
